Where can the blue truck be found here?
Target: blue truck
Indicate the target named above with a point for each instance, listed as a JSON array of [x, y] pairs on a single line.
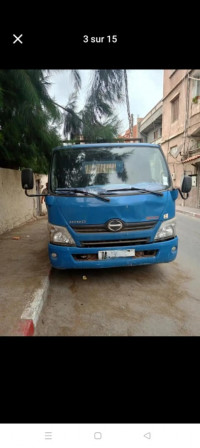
[[110, 205]]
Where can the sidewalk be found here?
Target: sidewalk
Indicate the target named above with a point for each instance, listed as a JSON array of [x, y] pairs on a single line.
[[195, 212], [23, 277]]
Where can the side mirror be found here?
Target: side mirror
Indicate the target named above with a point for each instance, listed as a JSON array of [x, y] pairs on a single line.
[[27, 179], [186, 184]]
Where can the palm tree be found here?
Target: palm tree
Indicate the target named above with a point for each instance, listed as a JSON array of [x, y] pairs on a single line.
[[28, 119], [106, 89]]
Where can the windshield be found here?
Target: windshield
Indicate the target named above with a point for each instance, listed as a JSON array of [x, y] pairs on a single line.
[[109, 167]]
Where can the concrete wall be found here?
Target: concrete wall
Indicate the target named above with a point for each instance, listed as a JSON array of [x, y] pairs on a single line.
[[150, 135], [152, 117], [15, 207]]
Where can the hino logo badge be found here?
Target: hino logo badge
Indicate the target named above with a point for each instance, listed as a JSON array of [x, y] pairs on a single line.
[[115, 225]]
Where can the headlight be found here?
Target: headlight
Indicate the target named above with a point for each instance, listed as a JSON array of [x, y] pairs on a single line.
[[60, 235], [166, 230]]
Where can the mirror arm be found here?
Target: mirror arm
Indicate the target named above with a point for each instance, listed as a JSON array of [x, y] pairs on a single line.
[[34, 195], [182, 194]]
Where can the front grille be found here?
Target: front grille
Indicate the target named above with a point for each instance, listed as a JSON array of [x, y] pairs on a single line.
[[127, 227], [114, 242]]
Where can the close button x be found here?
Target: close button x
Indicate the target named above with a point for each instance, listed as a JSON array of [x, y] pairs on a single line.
[[17, 39]]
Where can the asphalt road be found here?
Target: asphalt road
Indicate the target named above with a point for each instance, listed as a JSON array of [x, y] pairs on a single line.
[[159, 300]]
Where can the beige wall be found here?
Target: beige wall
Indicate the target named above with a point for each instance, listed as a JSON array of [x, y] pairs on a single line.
[[15, 207], [169, 129], [172, 79]]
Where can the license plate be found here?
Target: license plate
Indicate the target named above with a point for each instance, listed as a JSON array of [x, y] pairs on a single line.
[[105, 254]]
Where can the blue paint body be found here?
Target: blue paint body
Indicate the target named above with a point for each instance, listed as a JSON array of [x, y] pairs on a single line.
[[129, 208]]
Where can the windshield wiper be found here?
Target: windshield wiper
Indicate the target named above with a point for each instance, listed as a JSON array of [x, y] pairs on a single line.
[[135, 188], [84, 192]]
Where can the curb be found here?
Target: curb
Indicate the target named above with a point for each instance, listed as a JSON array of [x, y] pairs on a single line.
[[31, 313], [186, 212]]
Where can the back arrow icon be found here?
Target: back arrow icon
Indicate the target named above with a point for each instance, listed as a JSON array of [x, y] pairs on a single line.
[[147, 435]]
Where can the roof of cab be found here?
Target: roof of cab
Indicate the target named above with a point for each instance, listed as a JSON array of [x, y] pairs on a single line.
[[101, 145]]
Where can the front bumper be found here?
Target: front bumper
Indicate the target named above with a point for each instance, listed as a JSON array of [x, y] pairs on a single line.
[[155, 252]]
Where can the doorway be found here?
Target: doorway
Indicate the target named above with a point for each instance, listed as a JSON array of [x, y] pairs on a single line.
[[198, 184], [38, 204]]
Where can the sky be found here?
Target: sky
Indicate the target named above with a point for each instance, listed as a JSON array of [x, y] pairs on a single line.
[[145, 91]]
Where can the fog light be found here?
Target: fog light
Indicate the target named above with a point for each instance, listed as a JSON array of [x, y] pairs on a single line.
[[54, 255], [173, 249]]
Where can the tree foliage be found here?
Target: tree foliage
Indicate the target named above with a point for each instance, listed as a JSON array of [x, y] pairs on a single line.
[[28, 120], [29, 117], [96, 120]]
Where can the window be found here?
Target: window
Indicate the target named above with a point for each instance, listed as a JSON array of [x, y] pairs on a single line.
[[155, 134], [196, 85], [110, 165], [175, 109]]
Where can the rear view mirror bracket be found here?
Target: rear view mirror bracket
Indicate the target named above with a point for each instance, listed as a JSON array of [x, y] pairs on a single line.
[[187, 194], [28, 182], [35, 195]]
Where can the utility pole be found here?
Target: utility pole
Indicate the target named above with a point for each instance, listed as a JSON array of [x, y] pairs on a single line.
[[127, 103], [131, 130]]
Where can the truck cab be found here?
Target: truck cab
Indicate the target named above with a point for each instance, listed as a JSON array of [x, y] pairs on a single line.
[[111, 205]]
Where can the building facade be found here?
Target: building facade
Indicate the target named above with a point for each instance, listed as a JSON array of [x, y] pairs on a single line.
[[181, 129], [150, 127]]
